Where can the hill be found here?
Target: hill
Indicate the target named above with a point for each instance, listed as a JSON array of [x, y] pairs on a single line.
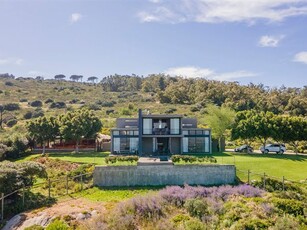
[[121, 95]]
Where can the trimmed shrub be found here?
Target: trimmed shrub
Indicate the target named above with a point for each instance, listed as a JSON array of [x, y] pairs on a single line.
[[36, 103], [114, 159], [192, 159]]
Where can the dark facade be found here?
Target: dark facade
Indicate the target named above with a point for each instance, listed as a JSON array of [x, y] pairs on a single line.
[[152, 134]]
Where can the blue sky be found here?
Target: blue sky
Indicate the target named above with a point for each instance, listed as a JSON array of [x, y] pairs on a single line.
[[259, 41]]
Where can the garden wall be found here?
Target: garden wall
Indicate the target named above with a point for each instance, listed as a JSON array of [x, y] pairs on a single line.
[[164, 175]]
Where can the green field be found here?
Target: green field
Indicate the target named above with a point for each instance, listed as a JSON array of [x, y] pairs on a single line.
[[292, 167]]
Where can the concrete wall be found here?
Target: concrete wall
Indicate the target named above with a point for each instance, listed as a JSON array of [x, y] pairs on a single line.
[[164, 175]]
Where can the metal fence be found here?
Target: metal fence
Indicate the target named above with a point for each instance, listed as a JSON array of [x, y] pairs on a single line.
[[48, 189]]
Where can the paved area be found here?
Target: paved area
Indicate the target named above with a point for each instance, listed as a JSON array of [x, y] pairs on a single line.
[[162, 160]]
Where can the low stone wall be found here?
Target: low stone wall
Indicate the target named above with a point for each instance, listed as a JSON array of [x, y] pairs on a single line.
[[164, 175]]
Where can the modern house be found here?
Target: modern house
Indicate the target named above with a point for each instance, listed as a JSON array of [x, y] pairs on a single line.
[[153, 134]]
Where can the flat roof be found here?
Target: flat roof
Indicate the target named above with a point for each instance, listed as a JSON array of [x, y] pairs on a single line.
[[162, 116]]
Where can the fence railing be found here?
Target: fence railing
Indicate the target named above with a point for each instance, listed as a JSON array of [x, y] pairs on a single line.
[[48, 189], [247, 176]]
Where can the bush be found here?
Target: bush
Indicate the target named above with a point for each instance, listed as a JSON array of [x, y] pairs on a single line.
[[106, 103], [192, 159], [23, 100], [194, 225], [38, 113], [11, 107], [57, 225], [289, 206], [285, 222], [57, 105], [3, 150], [126, 112], [36, 103], [272, 185], [34, 227], [170, 110], [196, 207], [11, 123], [28, 115], [114, 159], [49, 100], [8, 83], [17, 147]]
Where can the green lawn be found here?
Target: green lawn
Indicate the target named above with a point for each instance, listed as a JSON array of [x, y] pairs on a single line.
[[115, 194], [293, 167], [97, 158]]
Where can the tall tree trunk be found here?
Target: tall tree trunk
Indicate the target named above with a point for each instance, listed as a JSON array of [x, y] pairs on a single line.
[[77, 146], [44, 148], [220, 144]]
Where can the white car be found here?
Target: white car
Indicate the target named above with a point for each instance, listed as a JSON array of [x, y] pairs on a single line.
[[278, 148]]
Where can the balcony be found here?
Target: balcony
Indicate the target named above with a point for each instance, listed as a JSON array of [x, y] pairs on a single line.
[[161, 131]]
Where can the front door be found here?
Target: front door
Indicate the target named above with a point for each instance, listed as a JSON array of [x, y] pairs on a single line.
[[162, 146]]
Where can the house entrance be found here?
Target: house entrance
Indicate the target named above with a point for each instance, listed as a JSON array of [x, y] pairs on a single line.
[[162, 146]]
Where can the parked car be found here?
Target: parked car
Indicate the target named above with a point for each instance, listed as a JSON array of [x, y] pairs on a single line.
[[244, 148], [278, 148]]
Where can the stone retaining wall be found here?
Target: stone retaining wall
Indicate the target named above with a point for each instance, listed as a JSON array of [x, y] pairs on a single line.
[[152, 175]]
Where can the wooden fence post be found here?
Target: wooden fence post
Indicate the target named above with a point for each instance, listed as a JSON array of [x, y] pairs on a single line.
[[23, 196], [2, 206], [81, 182], [248, 176], [263, 181], [283, 183], [66, 184], [49, 187]]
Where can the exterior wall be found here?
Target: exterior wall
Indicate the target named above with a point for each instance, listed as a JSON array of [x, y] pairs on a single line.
[[123, 122], [147, 145], [175, 147], [164, 175], [189, 123]]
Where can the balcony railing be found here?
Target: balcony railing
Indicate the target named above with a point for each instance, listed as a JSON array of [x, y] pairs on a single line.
[[161, 131]]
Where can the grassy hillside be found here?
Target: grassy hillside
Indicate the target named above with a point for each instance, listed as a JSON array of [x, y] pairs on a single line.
[[75, 95]]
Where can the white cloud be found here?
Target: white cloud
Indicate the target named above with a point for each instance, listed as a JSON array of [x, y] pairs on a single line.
[[196, 72], [215, 11], [11, 61], [270, 41], [75, 17], [160, 14], [301, 57], [189, 71]]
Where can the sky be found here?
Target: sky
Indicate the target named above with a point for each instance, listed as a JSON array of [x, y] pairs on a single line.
[[258, 41]]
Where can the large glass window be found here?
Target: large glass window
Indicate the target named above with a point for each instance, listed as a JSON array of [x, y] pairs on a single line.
[[147, 126], [196, 145], [125, 144], [175, 126]]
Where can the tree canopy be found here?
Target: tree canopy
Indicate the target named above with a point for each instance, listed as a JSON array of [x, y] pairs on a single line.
[[78, 124]]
